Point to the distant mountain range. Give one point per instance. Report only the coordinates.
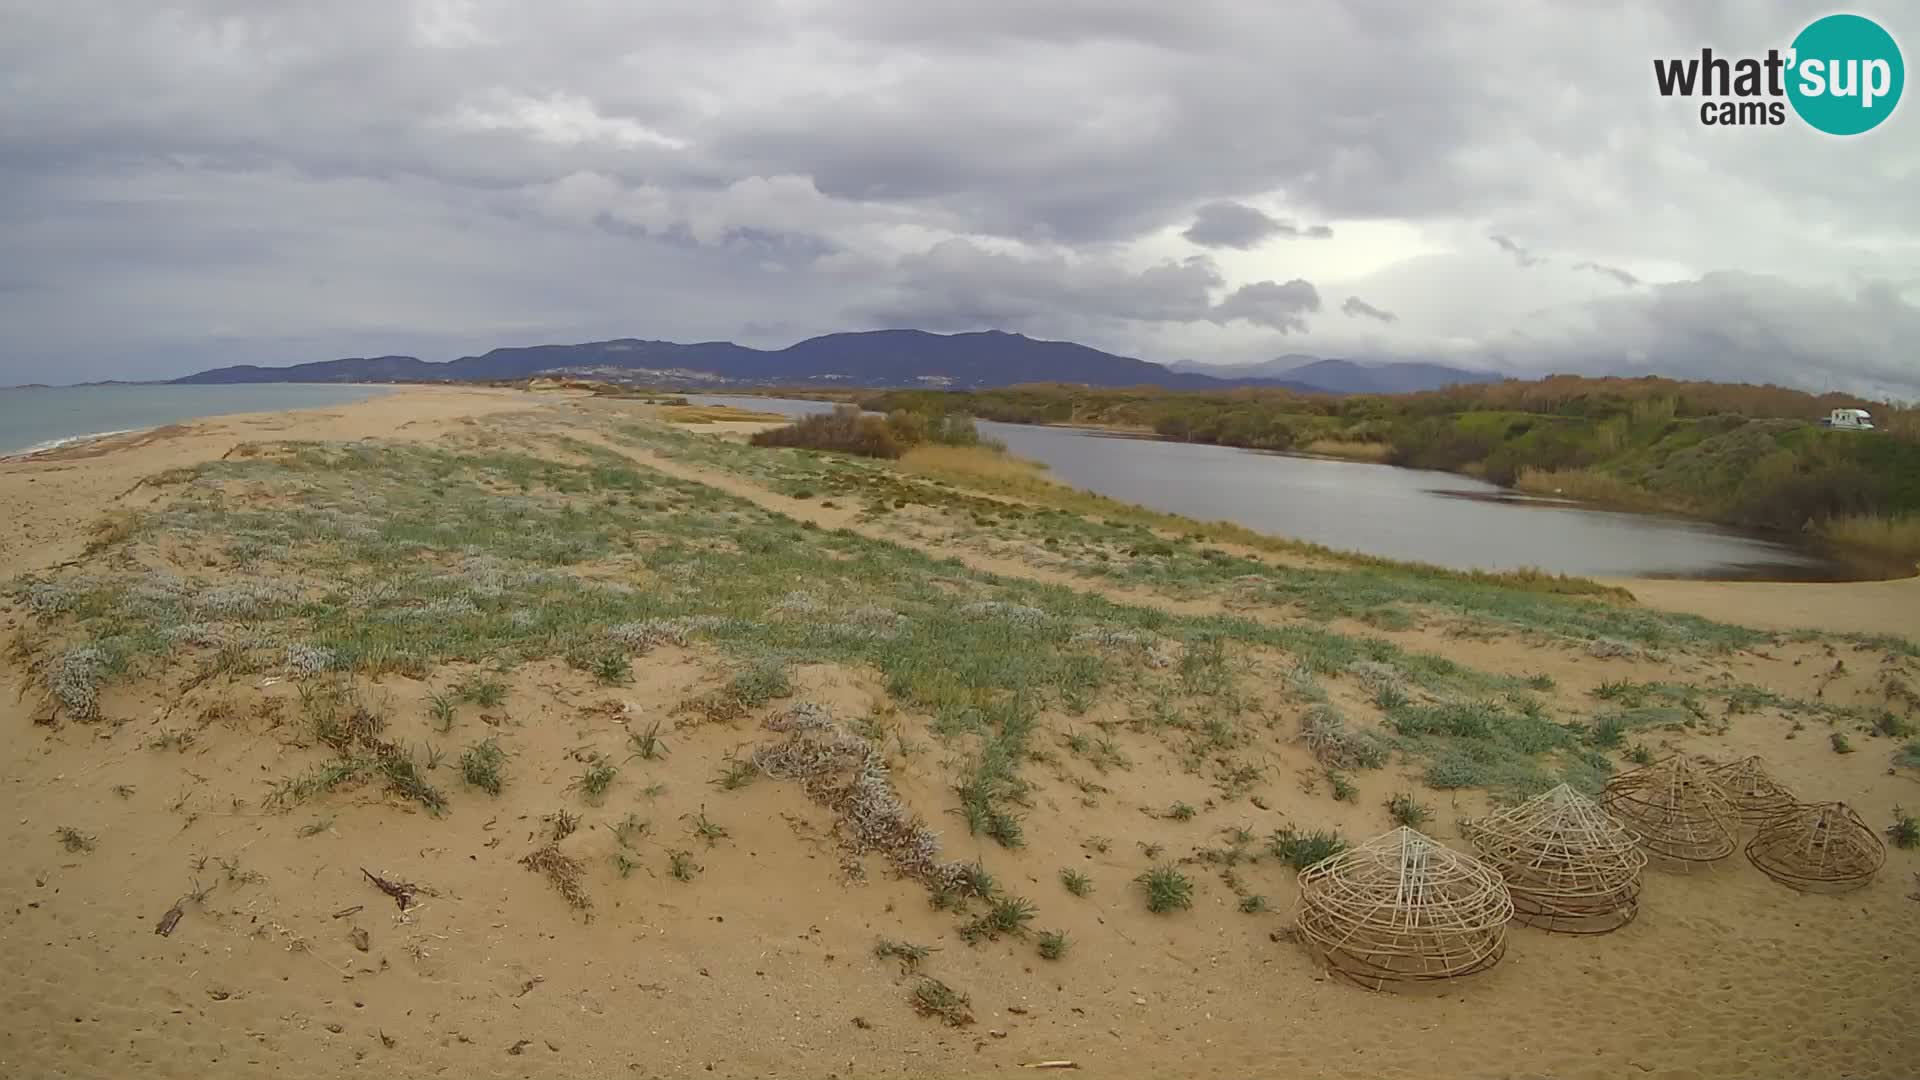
(1346, 376)
(879, 358)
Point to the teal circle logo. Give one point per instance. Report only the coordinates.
(1846, 74)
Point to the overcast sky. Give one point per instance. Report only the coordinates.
(188, 184)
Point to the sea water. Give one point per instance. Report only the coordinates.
(40, 418)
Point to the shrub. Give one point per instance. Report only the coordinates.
(931, 997)
(844, 430)
(1076, 882)
(1301, 850)
(1905, 831)
(909, 954)
(1343, 789)
(1892, 726)
(1405, 810)
(1006, 915)
(480, 766)
(1167, 888)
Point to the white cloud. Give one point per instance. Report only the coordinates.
(564, 119)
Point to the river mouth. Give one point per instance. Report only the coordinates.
(1408, 515)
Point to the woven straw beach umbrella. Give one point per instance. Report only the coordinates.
(1676, 809)
(1570, 867)
(1402, 907)
(1819, 847)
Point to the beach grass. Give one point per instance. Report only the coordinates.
(365, 560)
(1110, 541)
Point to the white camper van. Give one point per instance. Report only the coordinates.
(1849, 419)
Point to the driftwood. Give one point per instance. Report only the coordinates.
(171, 919)
(179, 909)
(402, 892)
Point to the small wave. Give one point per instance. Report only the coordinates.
(71, 440)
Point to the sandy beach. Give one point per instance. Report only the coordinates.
(729, 931)
(55, 498)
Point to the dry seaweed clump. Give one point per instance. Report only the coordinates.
(563, 872)
(74, 680)
(931, 997)
(847, 774)
(1335, 745)
(801, 716)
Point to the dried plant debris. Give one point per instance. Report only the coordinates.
(403, 892)
(931, 997)
(74, 840)
(847, 774)
(563, 872)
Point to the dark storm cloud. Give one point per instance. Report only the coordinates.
(1613, 272)
(1735, 327)
(1359, 308)
(1276, 306)
(1236, 225)
(959, 285)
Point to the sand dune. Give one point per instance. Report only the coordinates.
(763, 963)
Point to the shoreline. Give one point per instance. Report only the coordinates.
(71, 440)
(1876, 562)
(81, 439)
(57, 497)
(1869, 607)
(1840, 563)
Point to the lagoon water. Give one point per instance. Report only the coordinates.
(37, 418)
(1409, 514)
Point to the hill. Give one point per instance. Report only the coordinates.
(1348, 376)
(879, 358)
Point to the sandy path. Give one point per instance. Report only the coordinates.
(847, 517)
(52, 500)
(1779, 606)
(1856, 607)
